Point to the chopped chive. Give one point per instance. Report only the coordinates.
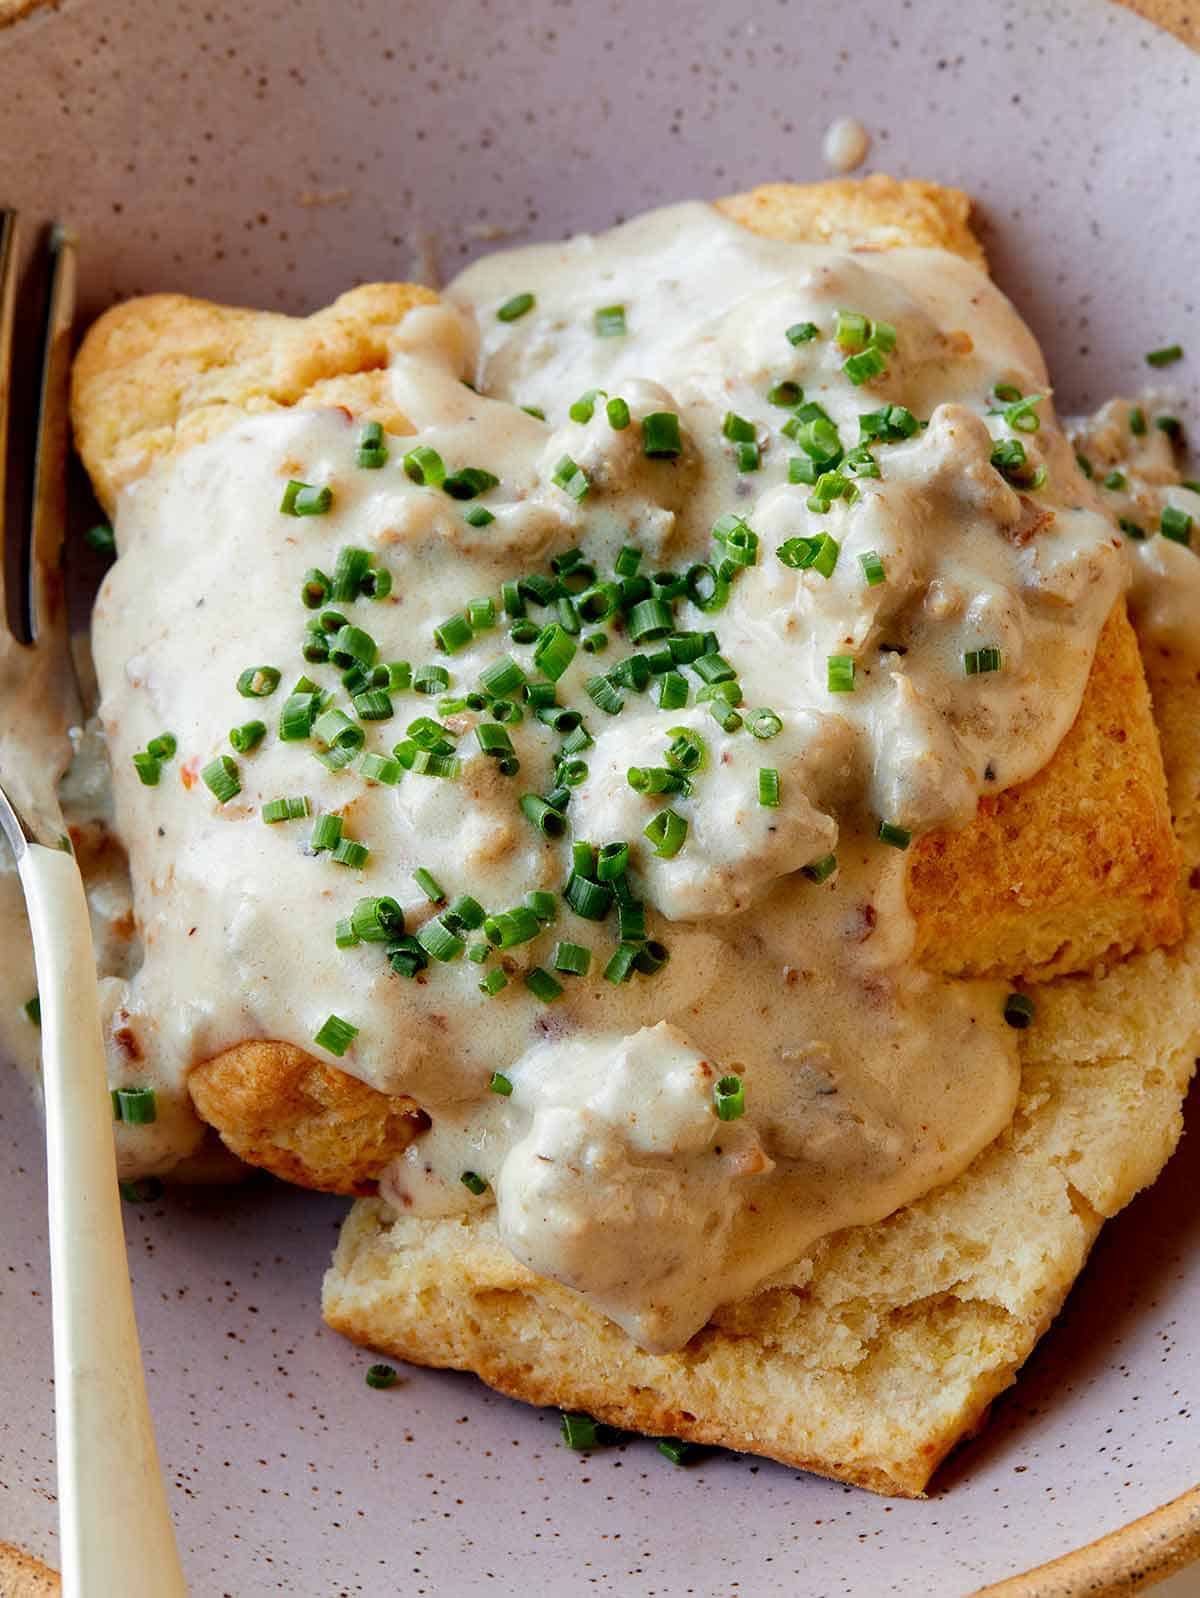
(425, 466)
(572, 479)
(163, 746)
(1167, 356)
(542, 985)
(221, 778)
(768, 787)
(349, 852)
(430, 680)
(572, 958)
(499, 1083)
(898, 837)
(861, 368)
(1018, 1010)
(33, 1010)
(501, 676)
(334, 728)
(1131, 529)
(729, 1098)
(287, 809)
(469, 482)
(429, 885)
(100, 538)
(1115, 481)
(1137, 421)
(604, 695)
(673, 1449)
(326, 833)
(544, 905)
(609, 321)
(890, 424)
(466, 910)
(1171, 426)
(377, 920)
(738, 429)
(617, 412)
(453, 634)
(490, 984)
(851, 330)
(481, 613)
(374, 704)
(840, 674)
(142, 1190)
(1023, 415)
(303, 499)
(248, 736)
(660, 435)
(349, 572)
(335, 1035)
(508, 928)
(590, 900)
(667, 832)
(989, 658)
(439, 939)
(344, 935)
(542, 815)
(748, 457)
(1084, 465)
(148, 768)
(1175, 524)
(256, 682)
(820, 870)
(381, 1376)
(314, 590)
(785, 393)
(801, 332)
(872, 568)
(672, 691)
(135, 1106)
(516, 307)
(554, 651)
(584, 407)
(621, 966)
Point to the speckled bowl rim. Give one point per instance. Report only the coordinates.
(1131, 1558)
(1127, 1560)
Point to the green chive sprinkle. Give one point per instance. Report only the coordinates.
(1084, 465)
(287, 809)
(667, 831)
(499, 1083)
(617, 412)
(1167, 356)
(248, 736)
(573, 958)
(673, 1449)
(382, 1377)
(840, 674)
(609, 321)
(542, 985)
(303, 499)
(335, 1035)
(572, 479)
(221, 778)
(148, 768)
(660, 435)
(425, 466)
(101, 538)
(512, 309)
(729, 1098)
(976, 661)
(135, 1106)
(1018, 1010)
(256, 682)
(1176, 525)
(898, 837)
(768, 787)
(469, 483)
(820, 870)
(490, 984)
(802, 332)
(1137, 420)
(429, 885)
(33, 1010)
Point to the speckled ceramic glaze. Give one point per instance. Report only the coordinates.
(276, 153)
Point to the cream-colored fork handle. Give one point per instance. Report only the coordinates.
(114, 1526)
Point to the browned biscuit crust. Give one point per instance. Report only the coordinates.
(304, 1121)
(165, 372)
(1075, 866)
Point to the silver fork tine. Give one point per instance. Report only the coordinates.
(44, 589)
(8, 301)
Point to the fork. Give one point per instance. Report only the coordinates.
(115, 1532)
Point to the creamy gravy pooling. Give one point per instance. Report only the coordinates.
(867, 1081)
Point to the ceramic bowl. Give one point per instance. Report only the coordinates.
(275, 154)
